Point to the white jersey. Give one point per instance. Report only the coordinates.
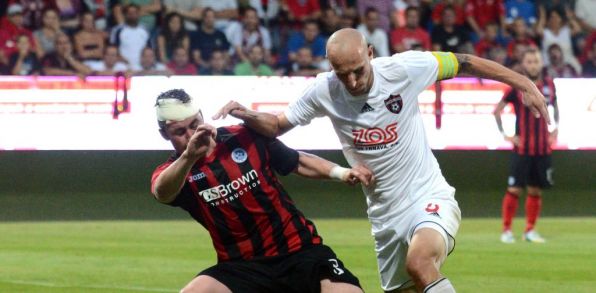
(382, 130)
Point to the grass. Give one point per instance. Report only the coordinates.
(161, 256)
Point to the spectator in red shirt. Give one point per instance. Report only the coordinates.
(180, 64)
(558, 67)
(11, 28)
(301, 10)
(460, 14)
(520, 36)
(411, 36)
(479, 13)
(491, 32)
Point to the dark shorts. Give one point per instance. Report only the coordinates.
(530, 171)
(297, 272)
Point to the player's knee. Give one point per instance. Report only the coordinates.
(338, 287)
(535, 191)
(419, 266)
(514, 190)
(205, 284)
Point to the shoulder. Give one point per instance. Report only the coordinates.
(396, 67)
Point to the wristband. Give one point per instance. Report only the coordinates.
(338, 172)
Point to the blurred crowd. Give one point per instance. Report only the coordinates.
(282, 37)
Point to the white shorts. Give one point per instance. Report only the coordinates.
(392, 238)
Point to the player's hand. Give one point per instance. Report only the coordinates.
(513, 139)
(359, 174)
(552, 137)
(533, 99)
(200, 141)
(233, 109)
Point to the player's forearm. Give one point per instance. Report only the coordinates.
(484, 68)
(169, 183)
(264, 123)
(314, 167)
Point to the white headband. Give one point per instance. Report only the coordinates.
(175, 110)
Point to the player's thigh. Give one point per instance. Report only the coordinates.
(205, 284)
(404, 290)
(327, 286)
(427, 244)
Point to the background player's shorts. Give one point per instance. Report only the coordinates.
(392, 238)
(530, 171)
(297, 272)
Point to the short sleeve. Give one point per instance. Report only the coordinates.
(283, 159)
(158, 171)
(421, 68)
(510, 96)
(306, 108)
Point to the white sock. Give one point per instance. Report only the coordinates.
(441, 285)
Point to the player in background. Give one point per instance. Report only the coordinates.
(225, 179)
(373, 106)
(531, 158)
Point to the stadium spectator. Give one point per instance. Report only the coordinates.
(479, 13)
(520, 34)
(207, 39)
(341, 6)
(498, 54)
(89, 42)
(33, 11)
(514, 61)
(304, 65)
(62, 61)
(130, 37)
(191, 11)
(524, 9)
(557, 65)
(180, 64)
(110, 65)
(545, 6)
(330, 22)
(384, 7)
(456, 5)
(589, 66)
(69, 11)
(45, 36)
(172, 35)
(374, 34)
(12, 27)
(101, 10)
(267, 11)
(489, 40)
(555, 30)
(150, 65)
(300, 11)
(255, 65)
(448, 36)
(348, 21)
(531, 166)
(24, 61)
(218, 64)
(411, 36)
(226, 11)
(585, 11)
(309, 37)
(248, 33)
(263, 242)
(148, 10)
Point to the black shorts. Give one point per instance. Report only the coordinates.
(530, 171)
(298, 272)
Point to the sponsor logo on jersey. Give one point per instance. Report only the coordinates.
(225, 193)
(375, 138)
(239, 155)
(196, 177)
(366, 108)
(432, 208)
(394, 103)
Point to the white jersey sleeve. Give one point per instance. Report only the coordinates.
(422, 68)
(308, 107)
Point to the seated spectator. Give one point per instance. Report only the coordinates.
(585, 11)
(218, 65)
(300, 11)
(411, 36)
(447, 36)
(33, 11)
(207, 39)
(248, 33)
(45, 36)
(149, 64)
(24, 61)
(110, 65)
(460, 13)
(11, 28)
(514, 60)
(348, 21)
(555, 30)
(267, 11)
(589, 66)
(304, 65)
(479, 13)
(130, 37)
(68, 12)
(255, 64)
(373, 33)
(524, 9)
(309, 37)
(180, 64)
(330, 22)
(173, 35)
(225, 12)
(62, 61)
(520, 36)
(148, 10)
(491, 32)
(558, 67)
(191, 11)
(89, 42)
(498, 54)
(385, 9)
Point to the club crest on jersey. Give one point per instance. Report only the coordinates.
(239, 155)
(394, 103)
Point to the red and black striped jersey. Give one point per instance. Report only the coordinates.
(532, 132)
(235, 194)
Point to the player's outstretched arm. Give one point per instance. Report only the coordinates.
(312, 166)
(264, 123)
(483, 68)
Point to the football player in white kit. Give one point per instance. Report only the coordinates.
(373, 106)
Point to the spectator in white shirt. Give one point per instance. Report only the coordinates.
(130, 37)
(243, 36)
(110, 64)
(373, 33)
(225, 12)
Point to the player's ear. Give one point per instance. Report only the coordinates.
(371, 52)
(164, 134)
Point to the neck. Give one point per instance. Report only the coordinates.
(208, 29)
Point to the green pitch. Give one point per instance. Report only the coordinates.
(161, 256)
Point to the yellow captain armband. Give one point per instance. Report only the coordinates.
(448, 65)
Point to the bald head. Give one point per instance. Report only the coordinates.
(350, 56)
(344, 43)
